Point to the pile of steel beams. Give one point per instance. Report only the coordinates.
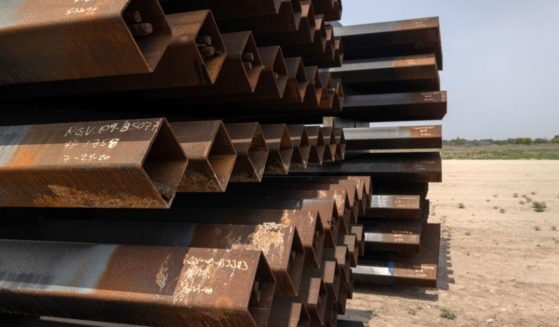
(172, 163)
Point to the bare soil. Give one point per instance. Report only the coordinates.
(499, 262)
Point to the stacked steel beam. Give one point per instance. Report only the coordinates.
(114, 216)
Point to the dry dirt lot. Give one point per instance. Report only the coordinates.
(500, 259)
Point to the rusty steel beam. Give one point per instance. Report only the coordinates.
(252, 151)
(392, 236)
(328, 97)
(340, 195)
(330, 141)
(402, 137)
(331, 315)
(311, 99)
(341, 254)
(287, 19)
(287, 312)
(69, 30)
(395, 107)
(229, 10)
(301, 146)
(318, 147)
(331, 9)
(396, 38)
(359, 232)
(341, 143)
(273, 80)
(334, 59)
(239, 74)
(304, 33)
(420, 269)
(421, 167)
(211, 156)
(394, 207)
(111, 164)
(326, 206)
(197, 45)
(350, 241)
(280, 147)
(389, 75)
(289, 184)
(314, 295)
(307, 221)
(362, 184)
(155, 285)
(280, 244)
(297, 82)
(315, 48)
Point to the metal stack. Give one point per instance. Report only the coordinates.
(214, 215)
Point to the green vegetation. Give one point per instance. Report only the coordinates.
(446, 314)
(539, 206)
(509, 149)
(549, 151)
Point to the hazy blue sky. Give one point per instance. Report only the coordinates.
(501, 61)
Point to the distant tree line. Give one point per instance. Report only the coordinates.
(511, 141)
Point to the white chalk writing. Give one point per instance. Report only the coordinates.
(222, 263)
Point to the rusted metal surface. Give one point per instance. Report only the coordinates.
(396, 38)
(188, 61)
(350, 323)
(303, 34)
(318, 146)
(350, 241)
(421, 167)
(280, 147)
(394, 206)
(331, 9)
(339, 194)
(341, 143)
(359, 232)
(403, 137)
(330, 142)
(341, 254)
(314, 295)
(393, 236)
(287, 312)
(316, 48)
(273, 79)
(403, 188)
(287, 19)
(301, 146)
(229, 10)
(395, 107)
(252, 151)
(69, 30)
(155, 285)
(211, 156)
(280, 244)
(110, 164)
(297, 82)
(403, 269)
(239, 74)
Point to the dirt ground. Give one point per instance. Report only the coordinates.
(499, 258)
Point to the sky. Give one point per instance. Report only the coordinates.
(501, 61)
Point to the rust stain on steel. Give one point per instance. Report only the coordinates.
(280, 147)
(317, 145)
(280, 244)
(307, 222)
(328, 215)
(328, 96)
(69, 31)
(301, 146)
(211, 156)
(155, 285)
(287, 312)
(288, 18)
(252, 151)
(330, 141)
(110, 164)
